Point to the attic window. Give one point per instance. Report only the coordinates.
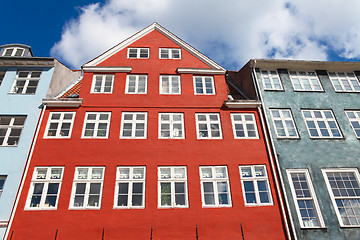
(14, 52)
(170, 53)
(138, 52)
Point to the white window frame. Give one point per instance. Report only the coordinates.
(2, 75)
(60, 122)
(214, 179)
(203, 85)
(171, 123)
(132, 178)
(354, 120)
(208, 123)
(27, 80)
(174, 178)
(245, 125)
(136, 84)
(103, 81)
(170, 53)
(133, 126)
(171, 79)
(349, 77)
(333, 198)
(10, 127)
(3, 180)
(14, 50)
(138, 50)
(271, 74)
(39, 178)
(322, 119)
(96, 122)
(255, 180)
(312, 197)
(301, 77)
(284, 119)
(88, 182)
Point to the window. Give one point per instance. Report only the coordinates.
(271, 80)
(10, 129)
(102, 83)
(344, 189)
(204, 85)
(321, 124)
(96, 125)
(14, 52)
(171, 125)
(172, 187)
(305, 81)
(130, 187)
(2, 183)
(344, 82)
(26, 82)
(255, 183)
(2, 75)
(244, 125)
(283, 123)
(208, 126)
(136, 84)
(87, 188)
(215, 189)
(138, 52)
(45, 188)
(304, 196)
(354, 118)
(59, 125)
(170, 84)
(133, 125)
(169, 53)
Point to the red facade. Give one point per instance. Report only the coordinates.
(63, 222)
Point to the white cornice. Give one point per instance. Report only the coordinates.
(242, 103)
(62, 102)
(107, 69)
(201, 71)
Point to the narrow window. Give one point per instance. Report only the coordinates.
(170, 84)
(26, 82)
(244, 125)
(171, 125)
(172, 187)
(2, 75)
(208, 126)
(102, 83)
(271, 80)
(14, 52)
(133, 125)
(10, 129)
(321, 124)
(59, 125)
(130, 187)
(170, 53)
(136, 84)
(204, 85)
(2, 183)
(283, 123)
(344, 82)
(138, 52)
(96, 125)
(305, 81)
(255, 183)
(354, 119)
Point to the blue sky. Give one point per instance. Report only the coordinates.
(230, 32)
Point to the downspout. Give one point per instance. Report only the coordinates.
(24, 173)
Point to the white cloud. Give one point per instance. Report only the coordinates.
(230, 32)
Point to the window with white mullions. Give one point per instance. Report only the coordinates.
(26, 82)
(215, 187)
(138, 52)
(102, 83)
(14, 52)
(306, 204)
(87, 188)
(2, 75)
(59, 125)
(283, 123)
(136, 84)
(271, 80)
(130, 187)
(10, 129)
(344, 82)
(305, 81)
(244, 125)
(2, 183)
(45, 188)
(354, 119)
(133, 125)
(344, 189)
(172, 187)
(208, 126)
(255, 183)
(169, 53)
(96, 125)
(204, 85)
(321, 124)
(170, 84)
(171, 125)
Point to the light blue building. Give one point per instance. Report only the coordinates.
(24, 81)
(312, 111)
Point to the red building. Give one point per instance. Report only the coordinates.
(151, 149)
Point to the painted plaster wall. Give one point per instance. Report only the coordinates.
(315, 154)
(12, 159)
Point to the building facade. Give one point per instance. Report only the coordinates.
(148, 146)
(312, 111)
(24, 81)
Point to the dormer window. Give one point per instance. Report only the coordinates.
(138, 52)
(13, 52)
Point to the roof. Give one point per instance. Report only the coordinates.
(74, 89)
